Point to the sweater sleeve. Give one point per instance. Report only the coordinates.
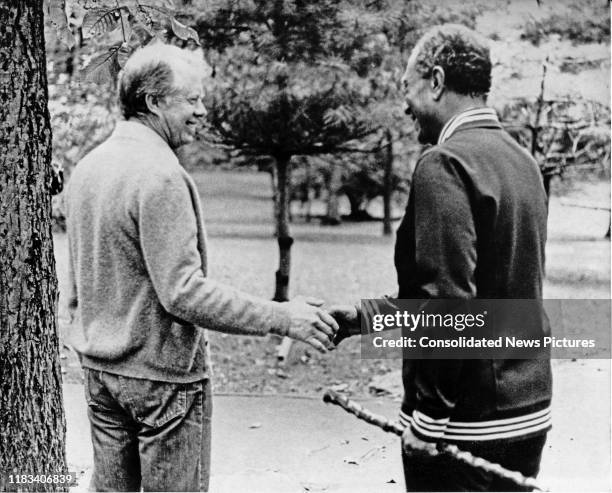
(72, 301)
(445, 238)
(168, 235)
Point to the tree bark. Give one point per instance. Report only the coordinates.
(283, 176)
(32, 422)
(388, 184)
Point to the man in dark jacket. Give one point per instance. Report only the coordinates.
(475, 227)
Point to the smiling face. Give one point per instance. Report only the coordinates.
(181, 112)
(419, 103)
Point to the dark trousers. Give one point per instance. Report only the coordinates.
(147, 434)
(442, 473)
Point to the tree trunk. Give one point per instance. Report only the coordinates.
(309, 190)
(283, 175)
(547, 178)
(358, 204)
(332, 217)
(274, 183)
(32, 423)
(388, 184)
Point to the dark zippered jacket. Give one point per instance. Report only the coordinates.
(475, 227)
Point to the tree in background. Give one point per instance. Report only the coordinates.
(565, 135)
(374, 48)
(285, 90)
(284, 120)
(32, 422)
(305, 78)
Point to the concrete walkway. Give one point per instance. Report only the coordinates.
(288, 444)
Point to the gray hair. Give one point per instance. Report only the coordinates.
(462, 53)
(151, 70)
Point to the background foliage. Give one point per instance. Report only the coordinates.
(298, 78)
(585, 22)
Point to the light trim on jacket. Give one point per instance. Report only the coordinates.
(477, 430)
(468, 116)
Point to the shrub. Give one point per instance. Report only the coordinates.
(584, 22)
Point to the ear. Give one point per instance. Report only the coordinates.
(438, 82)
(153, 104)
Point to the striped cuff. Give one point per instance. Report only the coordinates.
(500, 428)
(431, 429)
(425, 427)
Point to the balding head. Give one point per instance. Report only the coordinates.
(449, 71)
(463, 55)
(156, 70)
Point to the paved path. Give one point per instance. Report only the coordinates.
(286, 444)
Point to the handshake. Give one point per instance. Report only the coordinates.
(322, 329)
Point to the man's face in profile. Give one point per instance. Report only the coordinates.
(181, 112)
(418, 102)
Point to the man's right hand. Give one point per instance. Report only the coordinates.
(347, 317)
(311, 324)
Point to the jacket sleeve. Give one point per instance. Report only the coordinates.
(445, 233)
(445, 248)
(168, 235)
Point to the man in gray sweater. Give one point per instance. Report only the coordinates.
(140, 293)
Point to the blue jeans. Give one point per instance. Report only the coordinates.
(148, 435)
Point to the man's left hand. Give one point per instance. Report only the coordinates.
(414, 446)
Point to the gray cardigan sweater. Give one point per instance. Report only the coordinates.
(137, 247)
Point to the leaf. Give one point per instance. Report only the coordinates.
(103, 68)
(57, 16)
(101, 20)
(184, 32)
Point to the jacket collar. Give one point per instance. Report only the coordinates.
(473, 116)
